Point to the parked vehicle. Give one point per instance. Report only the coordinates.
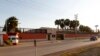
(14, 39)
(93, 38)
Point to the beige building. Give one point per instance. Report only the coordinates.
(50, 30)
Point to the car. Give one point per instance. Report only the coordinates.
(93, 38)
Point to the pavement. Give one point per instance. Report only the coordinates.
(43, 47)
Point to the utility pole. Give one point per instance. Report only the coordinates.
(96, 28)
(76, 17)
(6, 26)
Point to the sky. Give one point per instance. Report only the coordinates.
(43, 13)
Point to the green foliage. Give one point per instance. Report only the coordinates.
(69, 23)
(74, 23)
(57, 22)
(62, 25)
(11, 25)
(8, 42)
(85, 29)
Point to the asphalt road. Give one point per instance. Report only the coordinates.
(43, 48)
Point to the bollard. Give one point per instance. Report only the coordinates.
(35, 44)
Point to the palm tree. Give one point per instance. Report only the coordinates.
(62, 25)
(67, 23)
(71, 24)
(11, 25)
(57, 22)
(74, 24)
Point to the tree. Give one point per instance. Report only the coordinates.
(85, 29)
(81, 28)
(67, 23)
(88, 29)
(57, 22)
(71, 24)
(74, 24)
(62, 25)
(11, 25)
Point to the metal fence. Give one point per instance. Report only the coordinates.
(21, 29)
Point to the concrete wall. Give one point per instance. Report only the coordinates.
(32, 36)
(45, 36)
(5, 37)
(76, 35)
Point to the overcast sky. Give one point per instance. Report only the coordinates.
(43, 13)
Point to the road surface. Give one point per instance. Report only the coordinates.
(43, 48)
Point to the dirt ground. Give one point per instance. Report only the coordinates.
(90, 50)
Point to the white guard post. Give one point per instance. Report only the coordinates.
(1, 38)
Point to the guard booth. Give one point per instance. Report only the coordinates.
(3, 37)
